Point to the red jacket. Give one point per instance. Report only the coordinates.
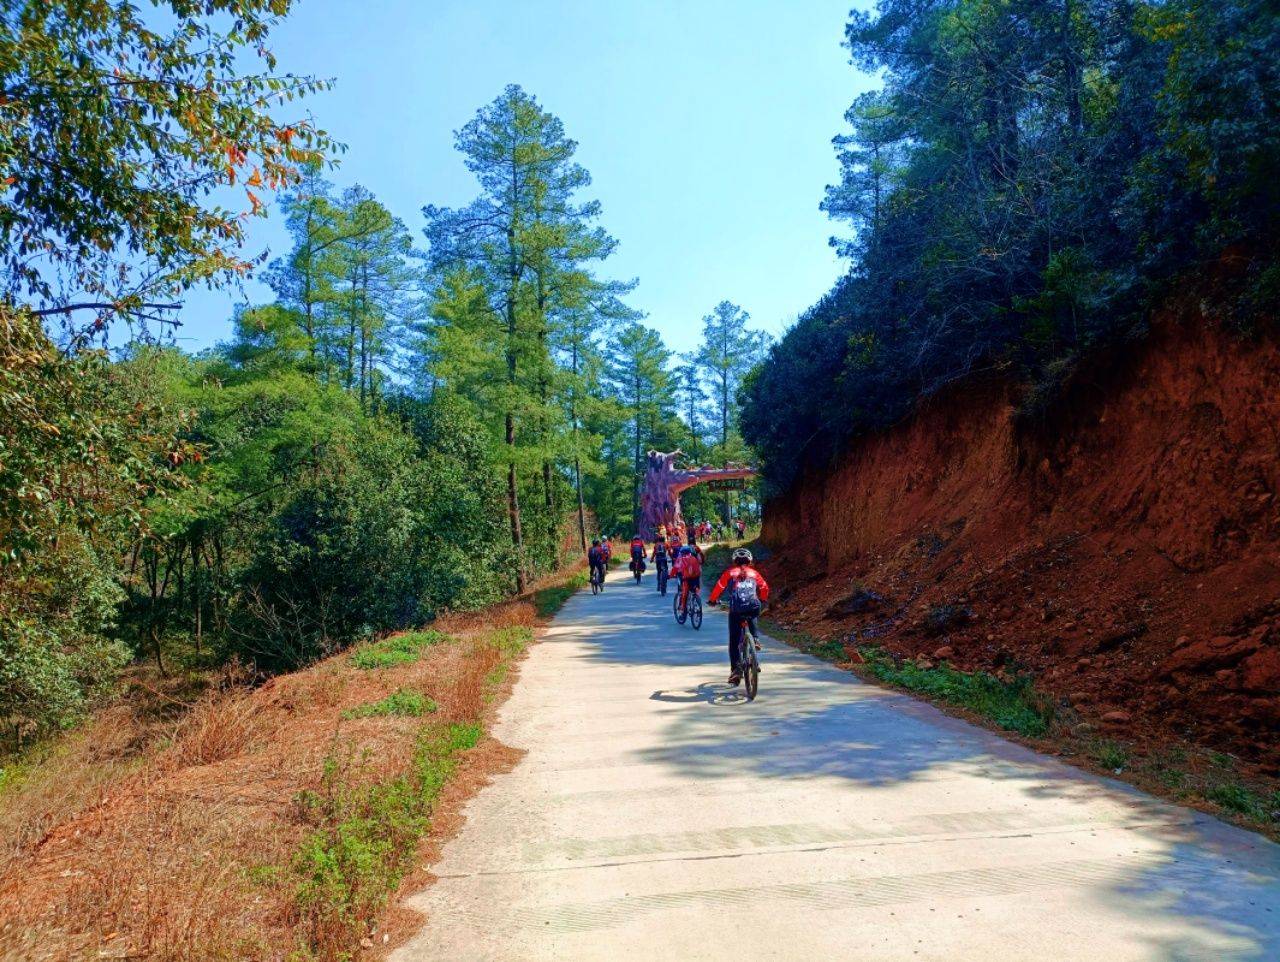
(735, 573)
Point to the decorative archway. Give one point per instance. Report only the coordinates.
(663, 483)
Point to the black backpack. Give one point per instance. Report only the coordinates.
(744, 597)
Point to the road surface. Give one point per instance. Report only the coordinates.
(658, 816)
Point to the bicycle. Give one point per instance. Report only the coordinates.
(597, 581)
(690, 611)
(663, 578)
(637, 569)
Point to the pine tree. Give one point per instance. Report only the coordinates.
(637, 361)
(729, 351)
(523, 246)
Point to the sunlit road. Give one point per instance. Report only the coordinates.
(657, 816)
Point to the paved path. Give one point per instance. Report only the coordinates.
(657, 816)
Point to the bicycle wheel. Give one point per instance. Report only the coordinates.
(695, 611)
(751, 673)
(676, 609)
(595, 586)
(662, 583)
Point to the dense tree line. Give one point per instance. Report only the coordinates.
(1029, 181)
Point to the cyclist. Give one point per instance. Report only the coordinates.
(607, 547)
(694, 549)
(660, 559)
(596, 560)
(688, 568)
(747, 593)
(637, 553)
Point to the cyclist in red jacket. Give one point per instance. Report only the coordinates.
(747, 593)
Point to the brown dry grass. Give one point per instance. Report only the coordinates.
(165, 827)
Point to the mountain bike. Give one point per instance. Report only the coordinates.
(597, 581)
(663, 578)
(748, 663)
(637, 569)
(691, 610)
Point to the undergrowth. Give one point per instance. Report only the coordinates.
(396, 650)
(547, 601)
(1012, 705)
(366, 836)
(401, 703)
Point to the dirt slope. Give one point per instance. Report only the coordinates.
(1124, 549)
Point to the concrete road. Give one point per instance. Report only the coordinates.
(659, 816)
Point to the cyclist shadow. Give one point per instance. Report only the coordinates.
(707, 693)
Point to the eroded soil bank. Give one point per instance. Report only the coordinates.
(1122, 549)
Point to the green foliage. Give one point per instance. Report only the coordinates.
(401, 703)
(1012, 705)
(366, 835)
(79, 440)
(513, 294)
(1237, 798)
(547, 601)
(1031, 180)
(115, 132)
(1111, 755)
(396, 650)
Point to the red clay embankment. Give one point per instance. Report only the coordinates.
(1125, 549)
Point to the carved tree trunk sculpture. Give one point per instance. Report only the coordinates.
(660, 490)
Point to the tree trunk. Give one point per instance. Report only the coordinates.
(582, 510)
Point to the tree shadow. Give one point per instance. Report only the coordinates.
(1211, 890)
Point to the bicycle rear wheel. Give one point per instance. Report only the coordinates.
(695, 611)
(675, 609)
(750, 664)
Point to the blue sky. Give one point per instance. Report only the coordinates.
(706, 126)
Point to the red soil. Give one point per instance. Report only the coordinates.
(1123, 550)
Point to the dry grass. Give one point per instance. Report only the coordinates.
(171, 832)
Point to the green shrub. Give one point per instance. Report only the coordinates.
(396, 650)
(1236, 798)
(1110, 754)
(365, 836)
(1012, 705)
(401, 703)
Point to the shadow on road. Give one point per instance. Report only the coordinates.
(1219, 887)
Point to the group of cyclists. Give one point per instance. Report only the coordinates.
(743, 587)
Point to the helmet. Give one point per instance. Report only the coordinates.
(742, 556)
(595, 541)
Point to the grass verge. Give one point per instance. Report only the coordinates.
(186, 844)
(396, 650)
(1012, 705)
(547, 601)
(401, 703)
(365, 837)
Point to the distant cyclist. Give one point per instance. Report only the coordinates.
(693, 547)
(637, 554)
(747, 593)
(688, 568)
(661, 560)
(596, 560)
